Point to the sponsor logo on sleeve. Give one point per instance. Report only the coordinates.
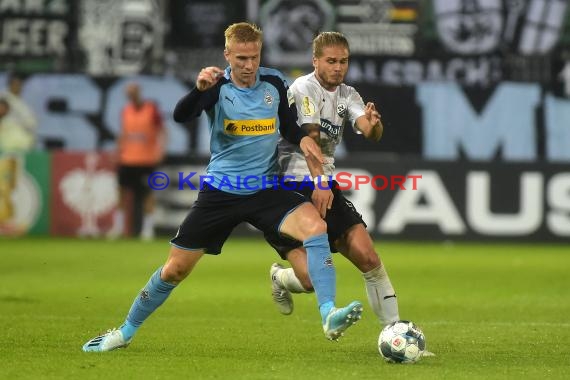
(307, 107)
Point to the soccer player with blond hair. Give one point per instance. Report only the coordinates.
(248, 109)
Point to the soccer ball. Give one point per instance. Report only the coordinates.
(401, 342)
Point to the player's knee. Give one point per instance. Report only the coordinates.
(174, 273)
(314, 227)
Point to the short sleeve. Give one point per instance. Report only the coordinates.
(355, 107)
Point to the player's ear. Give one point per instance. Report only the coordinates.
(315, 62)
(227, 55)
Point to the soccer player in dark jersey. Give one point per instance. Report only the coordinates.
(248, 108)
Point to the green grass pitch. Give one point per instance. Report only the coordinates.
(489, 311)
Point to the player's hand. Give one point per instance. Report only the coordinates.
(311, 149)
(208, 77)
(372, 114)
(322, 197)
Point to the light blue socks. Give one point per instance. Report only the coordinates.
(154, 293)
(321, 271)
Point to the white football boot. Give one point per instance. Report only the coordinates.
(281, 296)
(109, 341)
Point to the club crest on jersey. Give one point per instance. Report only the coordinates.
(268, 98)
(307, 107)
(341, 109)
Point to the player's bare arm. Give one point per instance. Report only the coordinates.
(322, 196)
(311, 149)
(370, 124)
(313, 131)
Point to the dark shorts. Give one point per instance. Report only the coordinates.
(216, 213)
(339, 218)
(135, 178)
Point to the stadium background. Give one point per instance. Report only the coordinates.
(474, 96)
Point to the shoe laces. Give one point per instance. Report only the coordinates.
(108, 332)
(280, 295)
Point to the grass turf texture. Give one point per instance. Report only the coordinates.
(488, 312)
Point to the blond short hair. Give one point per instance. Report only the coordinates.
(327, 39)
(243, 32)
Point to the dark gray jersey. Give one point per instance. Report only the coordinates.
(331, 110)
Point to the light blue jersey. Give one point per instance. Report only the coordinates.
(244, 129)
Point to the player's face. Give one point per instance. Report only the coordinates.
(331, 66)
(243, 58)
